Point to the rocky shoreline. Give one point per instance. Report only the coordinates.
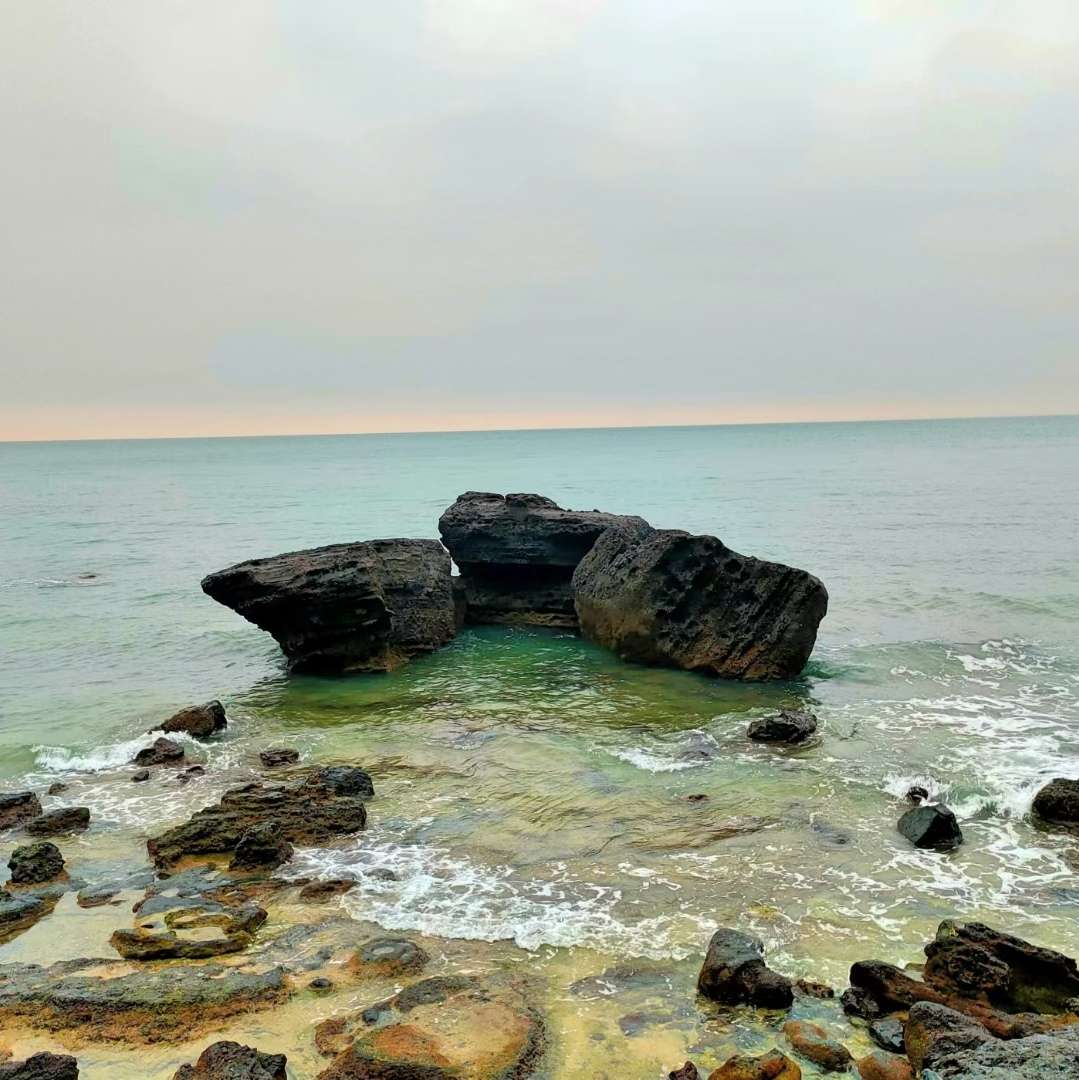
(215, 926)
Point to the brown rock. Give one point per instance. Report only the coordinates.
(199, 721)
(880, 1065)
(232, 1061)
(687, 1072)
(316, 892)
(812, 1042)
(17, 807)
(386, 957)
(65, 820)
(162, 752)
(770, 1066)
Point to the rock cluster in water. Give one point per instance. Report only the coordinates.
(653, 596)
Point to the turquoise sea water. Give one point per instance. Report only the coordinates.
(533, 789)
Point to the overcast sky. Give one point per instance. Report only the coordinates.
(351, 215)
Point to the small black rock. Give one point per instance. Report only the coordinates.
(787, 726)
(140, 776)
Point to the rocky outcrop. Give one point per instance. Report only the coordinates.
(233, 1061)
(150, 1005)
(786, 726)
(734, 972)
(68, 819)
(1036, 1057)
(931, 826)
(366, 606)
(162, 752)
(33, 864)
(1058, 802)
(517, 554)
(17, 807)
(437, 1029)
(199, 721)
(305, 811)
(665, 597)
(933, 1032)
(41, 1067)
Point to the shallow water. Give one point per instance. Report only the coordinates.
(533, 791)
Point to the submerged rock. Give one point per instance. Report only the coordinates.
(345, 780)
(305, 811)
(787, 726)
(388, 957)
(734, 972)
(199, 721)
(41, 1067)
(233, 1061)
(140, 776)
(1058, 802)
(517, 554)
(277, 756)
(931, 826)
(162, 752)
(315, 892)
(438, 1029)
(366, 606)
(888, 1035)
(17, 807)
(261, 847)
(159, 1005)
(666, 597)
(66, 820)
(19, 911)
(32, 864)
(814, 1043)
(770, 1066)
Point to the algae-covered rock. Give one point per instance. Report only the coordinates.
(32, 864)
(162, 1004)
(387, 957)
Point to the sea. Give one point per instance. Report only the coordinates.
(533, 791)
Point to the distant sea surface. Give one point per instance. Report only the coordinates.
(532, 788)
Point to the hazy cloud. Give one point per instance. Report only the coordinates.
(343, 216)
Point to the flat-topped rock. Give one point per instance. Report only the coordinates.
(149, 1005)
(669, 598)
(43, 1066)
(366, 606)
(305, 811)
(67, 819)
(517, 554)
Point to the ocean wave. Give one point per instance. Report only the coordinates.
(441, 893)
(65, 759)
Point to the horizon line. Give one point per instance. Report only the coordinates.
(543, 428)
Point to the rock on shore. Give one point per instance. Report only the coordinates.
(517, 554)
(232, 1061)
(305, 811)
(666, 597)
(199, 721)
(366, 606)
(734, 972)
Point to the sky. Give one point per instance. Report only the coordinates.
(286, 217)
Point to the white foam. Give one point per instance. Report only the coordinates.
(64, 759)
(656, 763)
(442, 893)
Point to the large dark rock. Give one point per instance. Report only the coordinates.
(734, 972)
(975, 961)
(66, 820)
(366, 606)
(41, 1067)
(786, 726)
(1038, 1057)
(517, 554)
(665, 597)
(200, 721)
(162, 1004)
(162, 752)
(232, 1061)
(931, 826)
(1058, 802)
(32, 864)
(305, 811)
(17, 807)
